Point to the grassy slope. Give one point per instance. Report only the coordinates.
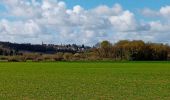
(119, 81)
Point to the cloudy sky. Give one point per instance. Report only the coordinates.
(84, 21)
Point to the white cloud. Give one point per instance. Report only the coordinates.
(165, 11)
(124, 22)
(149, 12)
(157, 26)
(78, 9)
(162, 12)
(159, 29)
(104, 10)
(51, 21)
(19, 28)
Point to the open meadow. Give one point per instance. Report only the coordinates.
(84, 81)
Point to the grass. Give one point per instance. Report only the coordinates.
(85, 81)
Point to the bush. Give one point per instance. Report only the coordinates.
(31, 56)
(48, 57)
(58, 56)
(3, 58)
(67, 56)
(38, 59)
(16, 59)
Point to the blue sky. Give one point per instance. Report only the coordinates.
(127, 4)
(2, 8)
(84, 21)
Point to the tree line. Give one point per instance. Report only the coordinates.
(124, 50)
(136, 50)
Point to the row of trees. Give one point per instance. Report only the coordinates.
(136, 50)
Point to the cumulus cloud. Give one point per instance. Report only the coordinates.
(162, 12)
(159, 29)
(104, 10)
(19, 28)
(52, 22)
(149, 12)
(165, 11)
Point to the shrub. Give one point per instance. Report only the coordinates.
(16, 59)
(58, 56)
(67, 56)
(31, 56)
(3, 58)
(38, 59)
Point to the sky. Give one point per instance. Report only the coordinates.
(84, 21)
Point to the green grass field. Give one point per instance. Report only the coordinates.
(85, 81)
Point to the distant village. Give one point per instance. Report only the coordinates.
(8, 47)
